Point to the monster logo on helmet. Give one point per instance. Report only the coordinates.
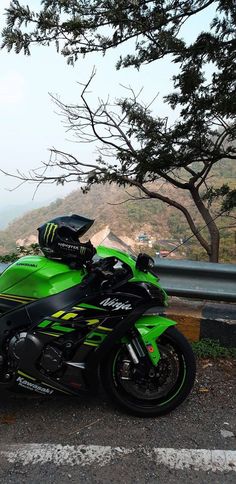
(59, 238)
(50, 232)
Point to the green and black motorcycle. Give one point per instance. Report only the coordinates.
(68, 326)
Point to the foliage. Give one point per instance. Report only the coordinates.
(32, 249)
(208, 348)
(148, 149)
(92, 25)
(87, 26)
(228, 195)
(9, 257)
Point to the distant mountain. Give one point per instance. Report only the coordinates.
(11, 212)
(105, 204)
(161, 226)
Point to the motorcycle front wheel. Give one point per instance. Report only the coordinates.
(148, 391)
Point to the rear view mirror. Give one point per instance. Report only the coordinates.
(144, 262)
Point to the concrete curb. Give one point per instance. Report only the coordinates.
(202, 319)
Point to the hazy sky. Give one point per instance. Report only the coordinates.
(28, 123)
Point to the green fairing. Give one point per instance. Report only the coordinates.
(150, 328)
(138, 276)
(38, 277)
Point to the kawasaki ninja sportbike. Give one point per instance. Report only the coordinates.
(66, 329)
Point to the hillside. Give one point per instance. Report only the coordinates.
(165, 226)
(102, 203)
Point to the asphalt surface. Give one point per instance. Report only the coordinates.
(199, 423)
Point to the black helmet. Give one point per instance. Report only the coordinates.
(59, 238)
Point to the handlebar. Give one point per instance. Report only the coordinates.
(102, 272)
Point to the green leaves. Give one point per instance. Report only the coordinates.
(92, 25)
(155, 25)
(229, 203)
(228, 196)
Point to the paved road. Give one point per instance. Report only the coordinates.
(107, 446)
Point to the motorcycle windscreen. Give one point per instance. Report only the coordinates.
(107, 238)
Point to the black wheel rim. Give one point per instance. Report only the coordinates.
(159, 390)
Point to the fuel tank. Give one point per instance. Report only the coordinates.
(34, 277)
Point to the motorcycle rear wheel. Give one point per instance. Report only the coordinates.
(168, 385)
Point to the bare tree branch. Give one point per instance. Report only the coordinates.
(133, 148)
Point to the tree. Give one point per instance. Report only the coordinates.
(80, 27)
(146, 147)
(146, 150)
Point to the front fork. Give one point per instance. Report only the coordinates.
(149, 329)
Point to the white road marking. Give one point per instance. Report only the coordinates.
(197, 459)
(62, 454)
(82, 455)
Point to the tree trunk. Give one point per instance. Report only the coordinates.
(173, 203)
(215, 245)
(214, 234)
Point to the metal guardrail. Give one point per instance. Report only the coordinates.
(199, 280)
(3, 266)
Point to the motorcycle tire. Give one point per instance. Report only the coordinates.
(154, 395)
